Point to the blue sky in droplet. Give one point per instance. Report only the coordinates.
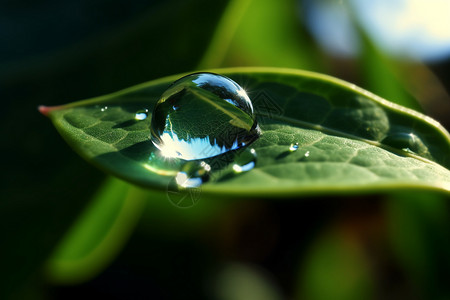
(191, 149)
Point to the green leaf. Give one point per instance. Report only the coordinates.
(235, 41)
(349, 139)
(98, 235)
(419, 227)
(336, 268)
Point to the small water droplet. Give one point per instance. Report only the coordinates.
(293, 147)
(245, 161)
(203, 115)
(193, 174)
(307, 154)
(141, 114)
(104, 108)
(408, 150)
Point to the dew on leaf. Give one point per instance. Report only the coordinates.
(408, 142)
(203, 115)
(293, 147)
(193, 174)
(141, 114)
(245, 161)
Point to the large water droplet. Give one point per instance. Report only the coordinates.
(203, 115)
(245, 161)
(408, 142)
(193, 174)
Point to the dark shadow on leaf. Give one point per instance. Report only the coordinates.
(283, 155)
(140, 151)
(125, 124)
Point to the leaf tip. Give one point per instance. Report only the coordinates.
(45, 110)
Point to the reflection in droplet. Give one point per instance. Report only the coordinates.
(152, 157)
(193, 174)
(307, 154)
(203, 115)
(104, 108)
(141, 114)
(293, 147)
(245, 161)
(157, 164)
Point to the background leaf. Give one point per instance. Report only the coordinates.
(336, 269)
(98, 235)
(416, 222)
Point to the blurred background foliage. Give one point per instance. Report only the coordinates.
(68, 231)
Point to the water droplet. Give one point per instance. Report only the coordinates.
(141, 114)
(408, 142)
(104, 108)
(193, 174)
(159, 165)
(293, 147)
(307, 154)
(245, 161)
(408, 150)
(203, 115)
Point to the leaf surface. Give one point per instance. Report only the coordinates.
(349, 139)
